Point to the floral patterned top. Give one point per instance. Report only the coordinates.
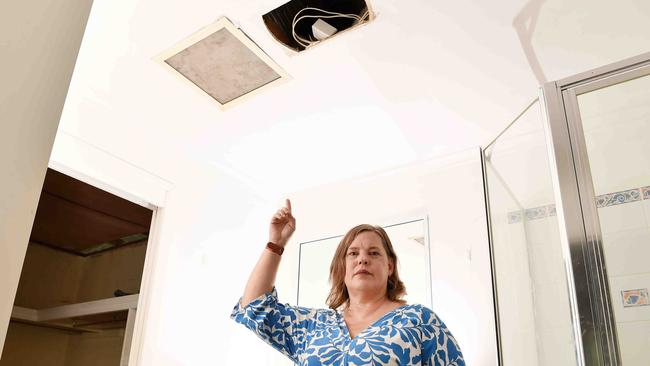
(407, 336)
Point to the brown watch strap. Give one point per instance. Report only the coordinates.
(274, 248)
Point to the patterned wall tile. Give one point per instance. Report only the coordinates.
(646, 192)
(535, 213)
(552, 211)
(638, 297)
(618, 198)
(514, 217)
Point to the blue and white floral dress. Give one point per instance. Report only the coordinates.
(407, 336)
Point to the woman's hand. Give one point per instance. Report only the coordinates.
(262, 278)
(283, 224)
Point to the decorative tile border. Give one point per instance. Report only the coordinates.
(605, 200)
(551, 210)
(638, 297)
(646, 192)
(531, 214)
(535, 213)
(618, 198)
(515, 217)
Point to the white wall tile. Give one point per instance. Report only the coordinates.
(627, 252)
(515, 295)
(617, 166)
(552, 305)
(519, 348)
(553, 228)
(629, 314)
(546, 263)
(538, 232)
(627, 216)
(557, 347)
(634, 340)
(646, 208)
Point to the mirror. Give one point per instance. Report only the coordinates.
(411, 243)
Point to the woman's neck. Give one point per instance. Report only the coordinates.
(367, 304)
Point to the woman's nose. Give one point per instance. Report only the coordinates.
(363, 259)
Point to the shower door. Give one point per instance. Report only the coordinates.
(599, 133)
(534, 316)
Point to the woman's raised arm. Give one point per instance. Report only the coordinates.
(262, 279)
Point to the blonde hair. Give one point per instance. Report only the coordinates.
(338, 295)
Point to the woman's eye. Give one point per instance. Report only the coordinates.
(352, 253)
(374, 253)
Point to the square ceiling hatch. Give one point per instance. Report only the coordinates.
(220, 61)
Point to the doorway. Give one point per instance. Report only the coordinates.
(79, 291)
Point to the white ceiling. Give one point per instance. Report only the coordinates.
(425, 78)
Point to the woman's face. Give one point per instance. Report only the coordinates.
(367, 266)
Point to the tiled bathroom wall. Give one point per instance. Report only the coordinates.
(625, 225)
(519, 333)
(554, 334)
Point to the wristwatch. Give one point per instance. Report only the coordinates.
(274, 248)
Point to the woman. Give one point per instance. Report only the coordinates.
(367, 323)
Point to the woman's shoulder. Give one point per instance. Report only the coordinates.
(325, 316)
(418, 315)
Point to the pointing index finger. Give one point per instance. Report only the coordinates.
(287, 204)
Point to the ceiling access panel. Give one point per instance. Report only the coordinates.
(223, 63)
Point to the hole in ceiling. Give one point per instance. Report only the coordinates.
(299, 24)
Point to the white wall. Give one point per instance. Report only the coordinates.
(81, 160)
(211, 238)
(39, 42)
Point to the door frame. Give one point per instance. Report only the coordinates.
(135, 331)
(593, 321)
